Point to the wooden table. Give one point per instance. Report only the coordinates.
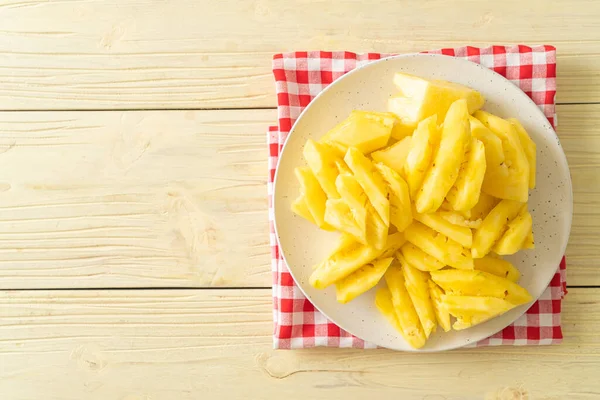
(134, 254)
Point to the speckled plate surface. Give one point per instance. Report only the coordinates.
(368, 88)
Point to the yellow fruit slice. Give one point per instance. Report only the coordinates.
(322, 162)
(393, 243)
(479, 283)
(466, 190)
(528, 243)
(419, 259)
(418, 290)
(339, 215)
(395, 155)
(400, 206)
(300, 208)
(363, 130)
(441, 313)
(425, 140)
(494, 154)
(497, 266)
(362, 280)
(514, 237)
(483, 207)
(383, 302)
(356, 199)
(494, 226)
(439, 246)
(509, 180)
(314, 196)
(529, 147)
(471, 310)
(456, 136)
(435, 221)
(406, 314)
(371, 182)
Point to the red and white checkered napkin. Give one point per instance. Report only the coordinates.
(299, 77)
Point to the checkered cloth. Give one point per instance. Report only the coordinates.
(299, 77)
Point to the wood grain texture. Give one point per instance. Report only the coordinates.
(133, 199)
(81, 54)
(171, 199)
(164, 345)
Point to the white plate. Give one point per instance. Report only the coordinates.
(368, 88)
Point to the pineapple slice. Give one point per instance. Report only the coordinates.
(483, 207)
(393, 243)
(400, 207)
(395, 155)
(514, 237)
(314, 196)
(509, 180)
(364, 130)
(439, 246)
(471, 310)
(421, 98)
(494, 226)
(418, 290)
(441, 313)
(406, 314)
(300, 208)
(385, 305)
(322, 161)
(456, 136)
(362, 280)
(466, 190)
(528, 146)
(372, 183)
(356, 199)
(528, 243)
(339, 215)
(422, 147)
(419, 259)
(480, 283)
(497, 266)
(494, 154)
(435, 221)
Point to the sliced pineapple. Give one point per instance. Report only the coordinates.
(425, 141)
(362, 280)
(322, 162)
(418, 290)
(400, 207)
(371, 182)
(456, 218)
(419, 259)
(395, 155)
(497, 266)
(363, 130)
(435, 221)
(455, 139)
(471, 310)
(528, 146)
(516, 234)
(314, 196)
(528, 243)
(483, 207)
(439, 246)
(300, 208)
(339, 215)
(466, 190)
(480, 283)
(356, 199)
(494, 154)
(494, 226)
(441, 313)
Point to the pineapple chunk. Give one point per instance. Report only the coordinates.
(509, 180)
(479, 283)
(528, 146)
(439, 246)
(385, 305)
(300, 208)
(400, 207)
(393, 243)
(418, 290)
(456, 136)
(494, 226)
(460, 234)
(322, 161)
(514, 237)
(362, 280)
(497, 266)
(365, 131)
(466, 190)
(372, 183)
(422, 147)
(356, 199)
(421, 98)
(441, 313)
(528, 243)
(471, 310)
(419, 259)
(483, 207)
(395, 155)
(494, 154)
(339, 215)
(406, 314)
(314, 196)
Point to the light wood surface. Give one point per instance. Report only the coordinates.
(205, 54)
(133, 155)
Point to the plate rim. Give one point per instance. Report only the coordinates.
(563, 164)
